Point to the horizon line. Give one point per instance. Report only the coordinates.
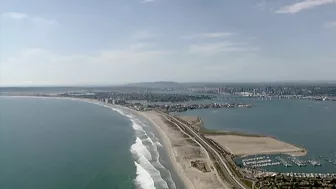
(194, 82)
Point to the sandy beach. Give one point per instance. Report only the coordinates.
(179, 157)
(165, 140)
(191, 161)
(183, 151)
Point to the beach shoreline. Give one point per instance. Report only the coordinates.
(185, 151)
(298, 152)
(239, 145)
(164, 139)
(169, 149)
(179, 158)
(176, 158)
(162, 136)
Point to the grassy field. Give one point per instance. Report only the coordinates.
(198, 123)
(206, 131)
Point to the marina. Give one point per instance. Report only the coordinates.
(273, 163)
(258, 162)
(315, 133)
(283, 161)
(314, 162)
(297, 161)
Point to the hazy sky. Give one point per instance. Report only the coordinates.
(78, 42)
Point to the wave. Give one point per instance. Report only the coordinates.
(143, 179)
(136, 126)
(143, 157)
(119, 111)
(158, 143)
(154, 173)
(139, 150)
(156, 140)
(146, 156)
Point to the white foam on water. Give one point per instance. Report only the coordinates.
(155, 140)
(154, 173)
(136, 126)
(119, 111)
(138, 150)
(156, 163)
(143, 179)
(143, 157)
(158, 144)
(149, 140)
(148, 174)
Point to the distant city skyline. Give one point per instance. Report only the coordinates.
(104, 42)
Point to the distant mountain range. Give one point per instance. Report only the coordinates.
(156, 84)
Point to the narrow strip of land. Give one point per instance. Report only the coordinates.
(191, 158)
(224, 170)
(223, 164)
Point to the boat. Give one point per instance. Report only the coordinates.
(315, 163)
(288, 165)
(284, 162)
(329, 160)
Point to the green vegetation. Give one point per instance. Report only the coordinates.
(206, 131)
(247, 183)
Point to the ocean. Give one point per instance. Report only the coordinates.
(66, 144)
(305, 123)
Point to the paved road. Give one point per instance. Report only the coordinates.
(206, 145)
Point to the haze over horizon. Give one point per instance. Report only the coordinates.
(104, 42)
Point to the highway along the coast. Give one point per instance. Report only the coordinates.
(229, 176)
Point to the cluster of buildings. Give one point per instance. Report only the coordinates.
(292, 91)
(153, 97)
(299, 180)
(171, 107)
(210, 91)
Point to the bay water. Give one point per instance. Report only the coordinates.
(305, 123)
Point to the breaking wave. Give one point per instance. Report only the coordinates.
(139, 150)
(146, 155)
(143, 179)
(137, 127)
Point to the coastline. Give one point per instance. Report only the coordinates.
(185, 151)
(171, 150)
(208, 132)
(168, 147)
(177, 158)
(166, 142)
(164, 139)
(244, 143)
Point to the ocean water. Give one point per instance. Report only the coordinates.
(64, 144)
(308, 124)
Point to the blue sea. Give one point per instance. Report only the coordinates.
(66, 144)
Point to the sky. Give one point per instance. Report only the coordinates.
(106, 42)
